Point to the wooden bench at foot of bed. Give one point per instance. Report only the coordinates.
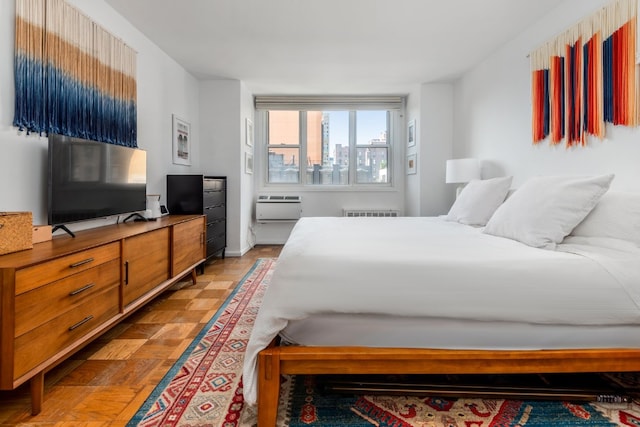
(288, 360)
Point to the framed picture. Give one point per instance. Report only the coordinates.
(181, 141)
(248, 163)
(411, 133)
(249, 132)
(412, 160)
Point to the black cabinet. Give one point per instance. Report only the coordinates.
(202, 194)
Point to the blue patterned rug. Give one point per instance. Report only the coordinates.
(311, 404)
(204, 388)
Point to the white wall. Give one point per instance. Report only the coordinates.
(247, 231)
(323, 201)
(431, 106)
(436, 140)
(164, 88)
(23, 162)
(224, 107)
(493, 115)
(413, 195)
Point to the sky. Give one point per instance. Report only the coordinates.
(369, 125)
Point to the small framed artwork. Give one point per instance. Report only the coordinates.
(249, 132)
(181, 141)
(248, 163)
(411, 133)
(412, 160)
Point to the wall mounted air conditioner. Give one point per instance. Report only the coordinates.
(278, 208)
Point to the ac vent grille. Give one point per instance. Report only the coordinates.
(272, 198)
(371, 213)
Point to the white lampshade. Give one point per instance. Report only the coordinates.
(462, 170)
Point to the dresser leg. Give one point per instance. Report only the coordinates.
(37, 393)
(193, 276)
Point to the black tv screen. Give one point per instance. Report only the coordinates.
(89, 179)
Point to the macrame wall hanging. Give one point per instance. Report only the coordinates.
(587, 77)
(72, 77)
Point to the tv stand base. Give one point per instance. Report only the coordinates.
(137, 217)
(62, 227)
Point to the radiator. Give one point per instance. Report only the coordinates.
(372, 212)
(278, 208)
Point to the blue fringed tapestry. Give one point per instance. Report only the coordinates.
(71, 76)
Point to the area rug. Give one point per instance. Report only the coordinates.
(204, 388)
(310, 404)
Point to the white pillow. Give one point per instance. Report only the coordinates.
(546, 209)
(617, 216)
(478, 200)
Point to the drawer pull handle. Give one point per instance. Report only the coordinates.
(126, 272)
(82, 289)
(79, 263)
(80, 323)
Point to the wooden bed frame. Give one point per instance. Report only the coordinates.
(282, 360)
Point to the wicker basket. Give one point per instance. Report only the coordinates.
(16, 232)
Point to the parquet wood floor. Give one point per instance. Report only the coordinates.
(105, 383)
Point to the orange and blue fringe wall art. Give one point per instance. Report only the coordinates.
(71, 76)
(586, 77)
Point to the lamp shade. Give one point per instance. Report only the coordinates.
(462, 170)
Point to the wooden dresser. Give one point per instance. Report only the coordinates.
(62, 294)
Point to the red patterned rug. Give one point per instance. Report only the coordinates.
(204, 388)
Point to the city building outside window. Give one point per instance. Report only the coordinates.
(329, 147)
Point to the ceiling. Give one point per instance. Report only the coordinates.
(330, 46)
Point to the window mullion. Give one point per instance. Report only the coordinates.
(303, 147)
(390, 137)
(353, 161)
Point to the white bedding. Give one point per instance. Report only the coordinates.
(428, 267)
(371, 330)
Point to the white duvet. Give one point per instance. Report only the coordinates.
(417, 266)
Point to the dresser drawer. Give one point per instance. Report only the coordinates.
(43, 342)
(215, 245)
(216, 227)
(33, 277)
(213, 198)
(214, 212)
(214, 184)
(40, 305)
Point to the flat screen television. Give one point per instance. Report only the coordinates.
(90, 179)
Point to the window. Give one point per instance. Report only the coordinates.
(284, 147)
(329, 147)
(372, 147)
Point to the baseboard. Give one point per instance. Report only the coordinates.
(239, 253)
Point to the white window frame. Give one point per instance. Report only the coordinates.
(393, 145)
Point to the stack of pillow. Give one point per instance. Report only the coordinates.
(546, 209)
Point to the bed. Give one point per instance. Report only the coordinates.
(436, 295)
